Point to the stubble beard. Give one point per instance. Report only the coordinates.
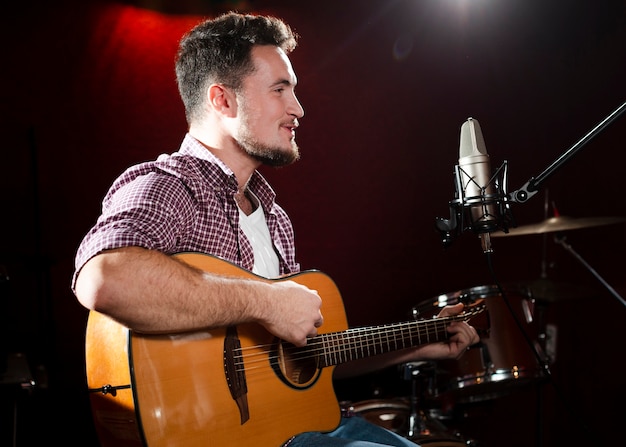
(270, 155)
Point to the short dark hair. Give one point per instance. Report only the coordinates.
(218, 51)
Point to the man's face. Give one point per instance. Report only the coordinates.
(268, 109)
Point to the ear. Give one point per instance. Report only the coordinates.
(222, 99)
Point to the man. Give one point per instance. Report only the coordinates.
(238, 88)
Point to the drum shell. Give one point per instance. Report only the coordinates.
(503, 359)
(394, 414)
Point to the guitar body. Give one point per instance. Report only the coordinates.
(219, 387)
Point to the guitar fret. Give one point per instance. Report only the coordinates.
(343, 351)
(362, 344)
(388, 345)
(335, 347)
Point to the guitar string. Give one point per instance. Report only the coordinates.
(388, 334)
(328, 346)
(312, 350)
(338, 344)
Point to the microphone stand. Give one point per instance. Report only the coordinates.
(531, 187)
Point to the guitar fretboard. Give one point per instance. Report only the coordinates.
(335, 348)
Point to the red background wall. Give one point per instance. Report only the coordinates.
(88, 89)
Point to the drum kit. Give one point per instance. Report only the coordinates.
(514, 351)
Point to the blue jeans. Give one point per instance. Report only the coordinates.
(352, 432)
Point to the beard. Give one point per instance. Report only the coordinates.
(269, 155)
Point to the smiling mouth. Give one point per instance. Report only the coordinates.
(291, 128)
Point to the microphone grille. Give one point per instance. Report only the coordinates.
(471, 139)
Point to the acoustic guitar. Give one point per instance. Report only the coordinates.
(234, 386)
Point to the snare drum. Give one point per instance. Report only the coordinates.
(394, 414)
(502, 359)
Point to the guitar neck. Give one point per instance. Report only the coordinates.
(335, 348)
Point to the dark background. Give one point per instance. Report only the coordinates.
(88, 89)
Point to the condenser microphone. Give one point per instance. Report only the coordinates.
(475, 181)
(480, 201)
(478, 189)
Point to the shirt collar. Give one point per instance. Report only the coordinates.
(257, 184)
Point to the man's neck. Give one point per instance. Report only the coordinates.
(227, 150)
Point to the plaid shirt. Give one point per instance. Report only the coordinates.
(184, 202)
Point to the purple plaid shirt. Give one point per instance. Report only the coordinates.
(184, 202)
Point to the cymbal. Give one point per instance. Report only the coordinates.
(560, 223)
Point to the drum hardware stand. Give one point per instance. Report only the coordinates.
(417, 429)
(413, 372)
(560, 239)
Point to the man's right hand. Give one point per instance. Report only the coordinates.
(294, 312)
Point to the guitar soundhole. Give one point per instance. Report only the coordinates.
(297, 367)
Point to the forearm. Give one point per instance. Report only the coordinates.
(150, 292)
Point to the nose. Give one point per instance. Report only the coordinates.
(295, 108)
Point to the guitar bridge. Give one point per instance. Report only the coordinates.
(235, 372)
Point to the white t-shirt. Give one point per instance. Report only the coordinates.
(255, 228)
